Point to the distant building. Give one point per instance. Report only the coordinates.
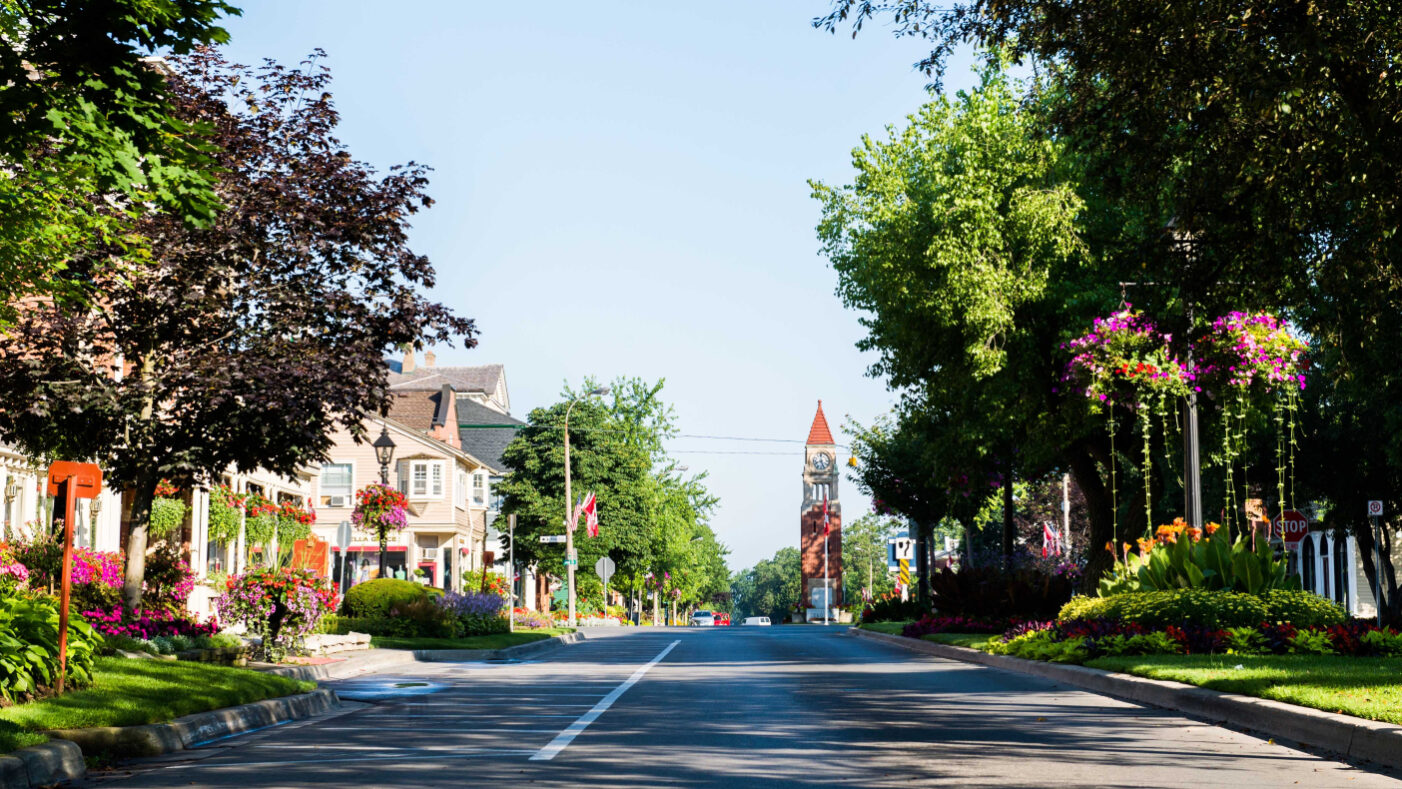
(821, 569)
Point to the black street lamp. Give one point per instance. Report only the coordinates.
(384, 452)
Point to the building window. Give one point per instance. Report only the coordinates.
(337, 485)
(460, 490)
(424, 479)
(479, 489)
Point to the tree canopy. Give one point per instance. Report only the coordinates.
(244, 342)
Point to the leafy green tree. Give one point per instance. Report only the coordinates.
(82, 116)
(864, 550)
(243, 343)
(1271, 133)
(962, 238)
(653, 520)
(770, 588)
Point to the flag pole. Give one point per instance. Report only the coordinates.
(827, 582)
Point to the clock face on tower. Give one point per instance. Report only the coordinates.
(822, 461)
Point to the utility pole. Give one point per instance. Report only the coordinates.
(570, 559)
(1066, 511)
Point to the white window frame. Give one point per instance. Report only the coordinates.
(460, 489)
(322, 495)
(480, 476)
(432, 488)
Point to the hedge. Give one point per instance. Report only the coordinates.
(1209, 608)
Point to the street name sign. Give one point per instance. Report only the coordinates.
(604, 567)
(571, 562)
(553, 538)
(1375, 509)
(1293, 528)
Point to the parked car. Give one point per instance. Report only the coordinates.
(756, 621)
(703, 619)
(722, 619)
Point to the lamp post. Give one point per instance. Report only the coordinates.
(1184, 242)
(384, 452)
(11, 492)
(569, 500)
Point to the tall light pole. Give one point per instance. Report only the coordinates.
(1184, 242)
(384, 452)
(570, 559)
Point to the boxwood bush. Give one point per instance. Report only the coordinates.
(376, 598)
(1303, 609)
(1210, 608)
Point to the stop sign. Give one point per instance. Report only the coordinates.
(1293, 528)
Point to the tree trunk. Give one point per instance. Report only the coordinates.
(1008, 528)
(1100, 511)
(143, 492)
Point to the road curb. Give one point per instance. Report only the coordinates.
(506, 653)
(196, 729)
(1356, 738)
(62, 759)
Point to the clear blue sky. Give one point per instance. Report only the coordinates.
(621, 190)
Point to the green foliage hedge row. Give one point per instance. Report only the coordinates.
(1210, 608)
(29, 647)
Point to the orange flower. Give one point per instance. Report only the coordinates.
(1110, 546)
(1212, 528)
(1145, 546)
(1196, 534)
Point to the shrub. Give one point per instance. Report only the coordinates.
(931, 623)
(376, 598)
(892, 608)
(477, 613)
(148, 623)
(496, 582)
(375, 626)
(168, 580)
(97, 575)
(29, 647)
(1302, 609)
(992, 593)
(1214, 609)
(281, 606)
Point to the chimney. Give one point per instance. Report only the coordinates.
(429, 358)
(408, 366)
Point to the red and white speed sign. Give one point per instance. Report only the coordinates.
(1293, 528)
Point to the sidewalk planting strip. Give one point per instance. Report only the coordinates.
(1357, 738)
(565, 737)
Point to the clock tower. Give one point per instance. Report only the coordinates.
(819, 486)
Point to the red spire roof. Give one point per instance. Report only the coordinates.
(819, 433)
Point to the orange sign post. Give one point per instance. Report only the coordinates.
(68, 482)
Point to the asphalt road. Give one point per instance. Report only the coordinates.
(736, 707)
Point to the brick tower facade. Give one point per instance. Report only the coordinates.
(819, 484)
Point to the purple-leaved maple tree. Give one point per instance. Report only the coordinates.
(244, 343)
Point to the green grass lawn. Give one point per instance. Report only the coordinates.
(131, 692)
(493, 641)
(1364, 687)
(974, 640)
(891, 628)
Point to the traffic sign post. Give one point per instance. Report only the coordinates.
(343, 541)
(1293, 528)
(604, 568)
(1375, 511)
(68, 482)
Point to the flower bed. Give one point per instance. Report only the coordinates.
(524, 617)
(478, 613)
(148, 623)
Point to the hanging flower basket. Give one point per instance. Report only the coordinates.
(380, 510)
(1253, 351)
(1125, 358)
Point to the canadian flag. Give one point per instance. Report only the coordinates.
(589, 508)
(1051, 540)
(827, 524)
